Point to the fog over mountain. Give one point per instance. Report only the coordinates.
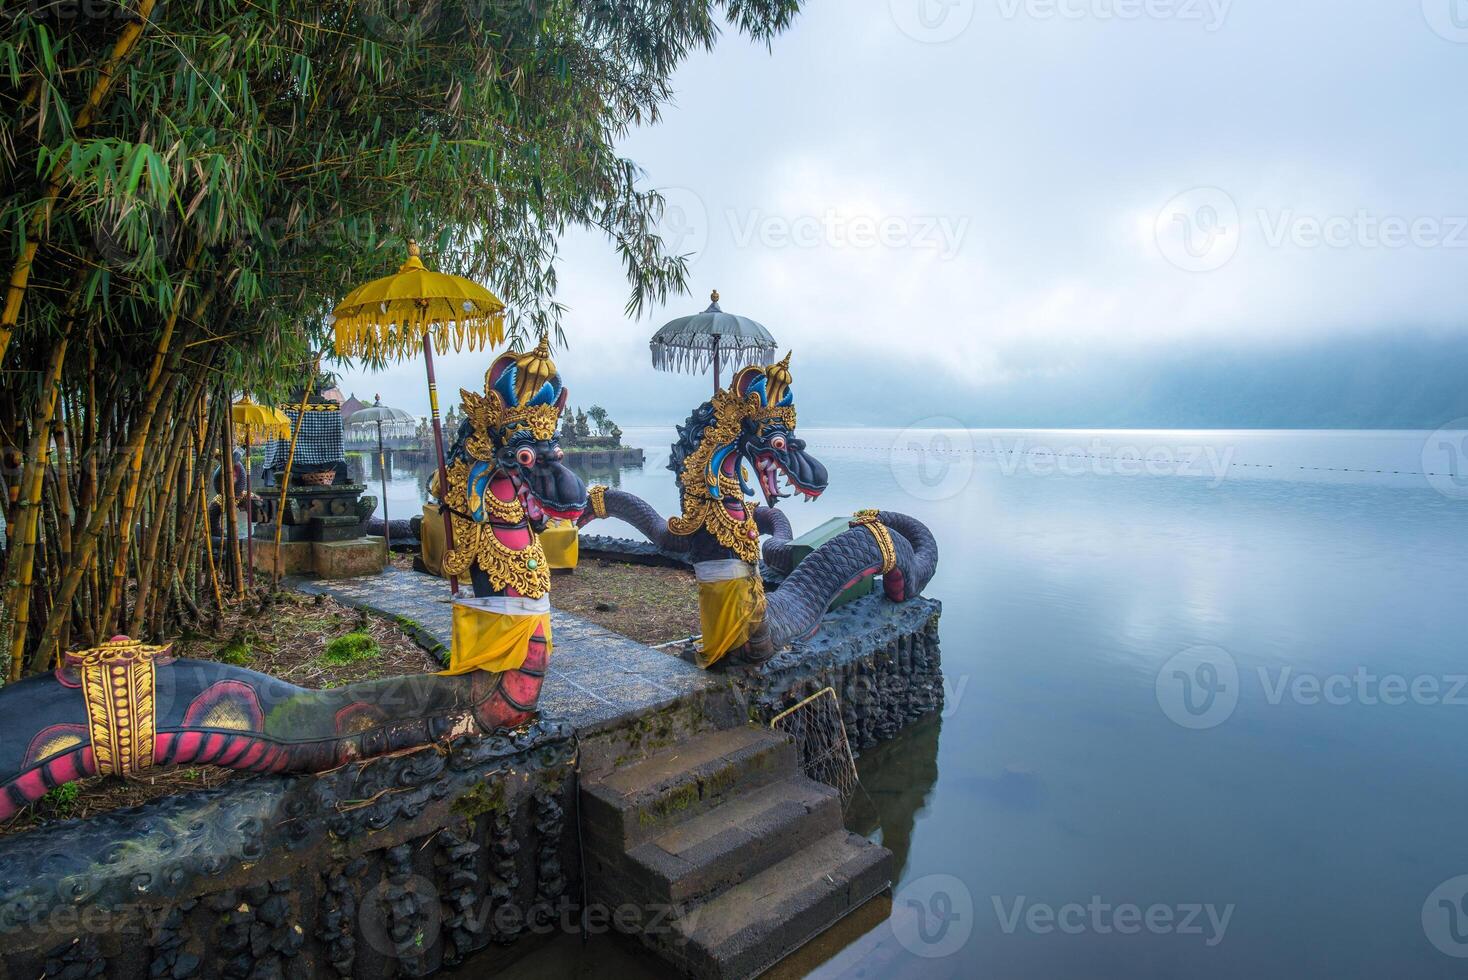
(1226, 214)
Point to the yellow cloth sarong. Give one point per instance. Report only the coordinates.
(728, 609)
(493, 641)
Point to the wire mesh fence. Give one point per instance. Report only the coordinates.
(820, 741)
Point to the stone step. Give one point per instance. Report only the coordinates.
(733, 842)
(636, 803)
(751, 926)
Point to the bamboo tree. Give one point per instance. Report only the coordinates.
(30, 501)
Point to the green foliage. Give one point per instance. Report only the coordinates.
(236, 652)
(350, 648)
(62, 799)
(253, 160)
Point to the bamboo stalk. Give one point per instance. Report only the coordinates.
(147, 560)
(290, 459)
(20, 274)
(228, 518)
(155, 374)
(20, 596)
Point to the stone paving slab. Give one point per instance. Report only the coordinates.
(595, 676)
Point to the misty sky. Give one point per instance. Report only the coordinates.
(971, 203)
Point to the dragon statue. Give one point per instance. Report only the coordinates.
(126, 706)
(753, 422)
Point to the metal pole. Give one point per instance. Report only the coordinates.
(249, 520)
(443, 468)
(716, 364)
(382, 466)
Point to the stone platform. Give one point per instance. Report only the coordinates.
(597, 679)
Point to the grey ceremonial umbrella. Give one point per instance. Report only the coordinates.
(692, 343)
(380, 413)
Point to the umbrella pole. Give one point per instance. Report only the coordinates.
(716, 364)
(249, 521)
(443, 468)
(382, 468)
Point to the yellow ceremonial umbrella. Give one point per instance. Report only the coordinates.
(394, 316)
(251, 420)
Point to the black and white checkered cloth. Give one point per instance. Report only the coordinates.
(319, 444)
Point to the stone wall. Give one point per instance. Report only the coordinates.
(882, 659)
(393, 867)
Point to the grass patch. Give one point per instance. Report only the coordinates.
(62, 799)
(236, 652)
(350, 649)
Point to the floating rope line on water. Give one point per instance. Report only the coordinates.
(1129, 459)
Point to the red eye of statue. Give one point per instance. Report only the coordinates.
(778, 442)
(526, 457)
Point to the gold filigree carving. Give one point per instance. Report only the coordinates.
(596, 497)
(118, 682)
(868, 519)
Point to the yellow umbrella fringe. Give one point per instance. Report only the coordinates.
(397, 340)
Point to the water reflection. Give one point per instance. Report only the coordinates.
(897, 778)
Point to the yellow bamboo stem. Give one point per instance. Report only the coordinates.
(208, 539)
(29, 521)
(20, 273)
(135, 467)
(290, 459)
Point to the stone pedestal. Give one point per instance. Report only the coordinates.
(326, 559)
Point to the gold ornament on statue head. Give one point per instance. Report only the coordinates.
(520, 390)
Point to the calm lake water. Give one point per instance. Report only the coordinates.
(1206, 697)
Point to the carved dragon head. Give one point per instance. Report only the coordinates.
(511, 430)
(753, 421)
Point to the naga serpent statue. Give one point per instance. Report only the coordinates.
(126, 706)
(753, 421)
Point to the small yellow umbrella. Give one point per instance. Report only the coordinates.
(393, 317)
(251, 420)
